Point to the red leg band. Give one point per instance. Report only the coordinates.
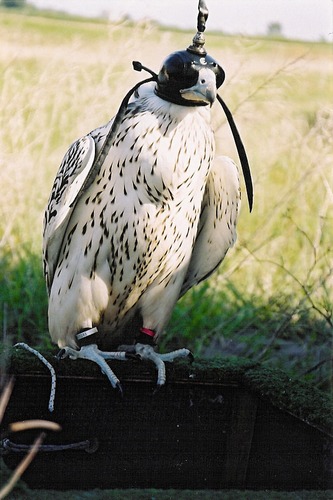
(148, 332)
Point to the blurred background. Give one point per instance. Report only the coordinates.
(301, 19)
(64, 72)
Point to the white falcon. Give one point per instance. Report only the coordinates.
(140, 211)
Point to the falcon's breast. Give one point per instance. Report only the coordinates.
(132, 232)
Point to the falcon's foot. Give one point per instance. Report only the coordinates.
(146, 352)
(92, 353)
(139, 351)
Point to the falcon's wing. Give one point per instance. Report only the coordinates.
(73, 172)
(217, 225)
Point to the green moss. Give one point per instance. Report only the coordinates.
(291, 394)
(145, 494)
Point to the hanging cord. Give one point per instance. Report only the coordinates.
(241, 152)
(90, 446)
(49, 366)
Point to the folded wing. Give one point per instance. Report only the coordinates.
(217, 226)
(72, 174)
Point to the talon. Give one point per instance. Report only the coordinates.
(62, 354)
(158, 388)
(92, 353)
(119, 389)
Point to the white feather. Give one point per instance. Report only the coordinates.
(158, 218)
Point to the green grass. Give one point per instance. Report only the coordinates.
(152, 494)
(271, 300)
(22, 492)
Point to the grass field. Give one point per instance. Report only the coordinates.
(272, 298)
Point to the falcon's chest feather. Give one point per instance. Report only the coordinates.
(134, 228)
(161, 152)
(146, 200)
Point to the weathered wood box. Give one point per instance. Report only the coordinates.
(218, 424)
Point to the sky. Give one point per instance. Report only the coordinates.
(299, 19)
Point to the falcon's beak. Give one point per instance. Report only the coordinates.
(204, 90)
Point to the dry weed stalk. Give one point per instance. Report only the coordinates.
(18, 427)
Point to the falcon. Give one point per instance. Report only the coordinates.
(141, 210)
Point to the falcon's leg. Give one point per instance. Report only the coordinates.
(92, 353)
(143, 350)
(146, 352)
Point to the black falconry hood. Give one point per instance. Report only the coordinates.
(178, 82)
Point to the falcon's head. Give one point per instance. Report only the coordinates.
(189, 79)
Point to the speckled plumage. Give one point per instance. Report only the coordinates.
(158, 218)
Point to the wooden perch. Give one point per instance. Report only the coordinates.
(225, 423)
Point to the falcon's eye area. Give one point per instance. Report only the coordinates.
(216, 68)
(182, 68)
(186, 75)
(180, 71)
(220, 75)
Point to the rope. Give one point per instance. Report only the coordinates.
(88, 446)
(49, 366)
